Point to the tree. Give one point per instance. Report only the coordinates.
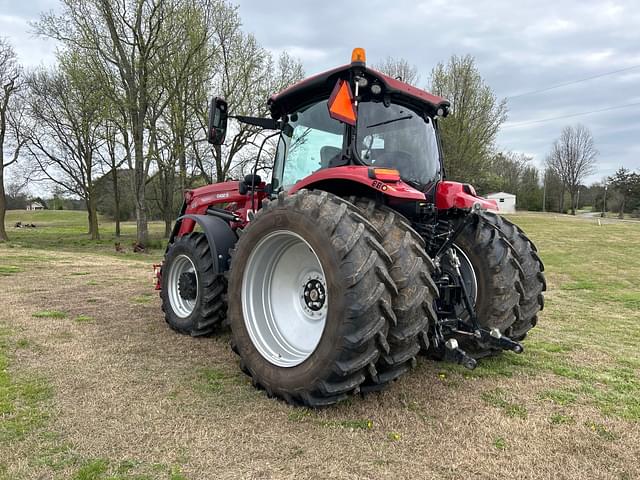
(505, 172)
(127, 42)
(114, 160)
(469, 132)
(530, 193)
(573, 158)
(245, 74)
(627, 185)
(16, 195)
(67, 111)
(172, 112)
(10, 119)
(399, 68)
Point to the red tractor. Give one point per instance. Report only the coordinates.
(357, 255)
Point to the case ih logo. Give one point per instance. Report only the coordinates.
(222, 195)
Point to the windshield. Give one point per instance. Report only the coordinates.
(395, 136)
(313, 142)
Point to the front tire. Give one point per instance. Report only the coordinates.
(192, 294)
(273, 305)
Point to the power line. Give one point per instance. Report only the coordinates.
(572, 82)
(543, 120)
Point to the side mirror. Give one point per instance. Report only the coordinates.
(218, 114)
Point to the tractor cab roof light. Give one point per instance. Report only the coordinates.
(358, 56)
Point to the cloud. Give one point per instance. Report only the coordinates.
(519, 47)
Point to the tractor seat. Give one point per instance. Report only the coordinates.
(329, 156)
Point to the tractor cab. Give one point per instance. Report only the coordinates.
(357, 116)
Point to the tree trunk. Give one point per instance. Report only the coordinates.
(140, 184)
(621, 213)
(141, 218)
(3, 208)
(92, 211)
(183, 168)
(116, 197)
(573, 203)
(561, 205)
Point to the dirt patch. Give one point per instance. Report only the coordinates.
(130, 391)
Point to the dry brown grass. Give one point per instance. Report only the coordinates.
(144, 400)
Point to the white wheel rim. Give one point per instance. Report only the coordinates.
(284, 298)
(182, 307)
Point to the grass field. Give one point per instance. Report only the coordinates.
(94, 385)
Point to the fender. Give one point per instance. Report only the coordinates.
(360, 174)
(220, 236)
(460, 195)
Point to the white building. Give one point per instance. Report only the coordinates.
(35, 206)
(506, 201)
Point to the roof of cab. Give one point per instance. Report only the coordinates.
(320, 86)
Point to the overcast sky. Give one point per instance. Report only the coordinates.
(519, 47)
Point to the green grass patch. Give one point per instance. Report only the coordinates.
(54, 453)
(93, 470)
(500, 443)
(143, 298)
(8, 270)
(66, 230)
(21, 399)
(602, 431)
(356, 424)
(105, 469)
(79, 273)
(498, 398)
(306, 415)
(561, 419)
(558, 396)
(300, 414)
(83, 319)
(214, 380)
(49, 314)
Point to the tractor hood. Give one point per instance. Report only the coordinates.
(317, 87)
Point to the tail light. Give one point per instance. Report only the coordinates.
(384, 174)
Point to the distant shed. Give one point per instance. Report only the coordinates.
(35, 205)
(506, 201)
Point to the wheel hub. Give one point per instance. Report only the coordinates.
(187, 285)
(314, 295)
(182, 285)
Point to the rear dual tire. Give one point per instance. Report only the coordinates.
(503, 275)
(531, 276)
(337, 248)
(411, 270)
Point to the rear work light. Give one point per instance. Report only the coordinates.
(384, 174)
